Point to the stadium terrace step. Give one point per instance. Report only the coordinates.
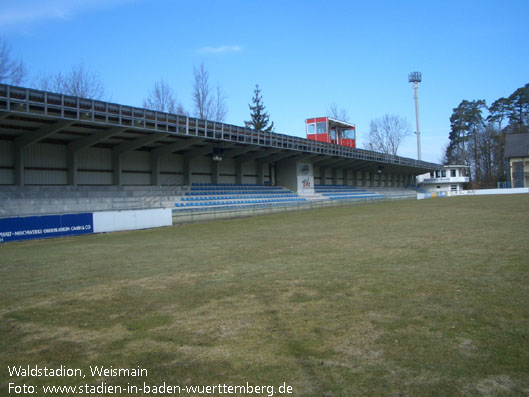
(37, 200)
(395, 192)
(344, 192)
(212, 196)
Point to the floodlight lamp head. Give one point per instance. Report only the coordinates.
(415, 77)
(217, 154)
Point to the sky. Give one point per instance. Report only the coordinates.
(305, 55)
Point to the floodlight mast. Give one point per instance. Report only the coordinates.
(416, 78)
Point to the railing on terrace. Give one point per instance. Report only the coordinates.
(35, 102)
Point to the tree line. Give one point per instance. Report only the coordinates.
(477, 135)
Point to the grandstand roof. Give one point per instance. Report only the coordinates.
(29, 116)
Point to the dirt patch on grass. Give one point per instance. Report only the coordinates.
(467, 347)
(91, 340)
(495, 385)
(358, 342)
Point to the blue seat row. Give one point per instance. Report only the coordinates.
(356, 197)
(334, 186)
(204, 206)
(347, 194)
(249, 188)
(226, 184)
(232, 207)
(238, 197)
(220, 192)
(231, 202)
(341, 191)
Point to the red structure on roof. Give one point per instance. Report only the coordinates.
(326, 129)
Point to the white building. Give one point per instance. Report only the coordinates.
(448, 179)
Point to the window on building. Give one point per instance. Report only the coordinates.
(321, 128)
(453, 173)
(437, 174)
(453, 188)
(431, 174)
(443, 173)
(517, 172)
(310, 128)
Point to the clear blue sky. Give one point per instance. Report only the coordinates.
(305, 55)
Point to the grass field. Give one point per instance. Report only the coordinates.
(392, 298)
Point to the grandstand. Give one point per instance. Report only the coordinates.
(61, 154)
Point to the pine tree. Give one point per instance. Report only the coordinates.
(519, 112)
(259, 117)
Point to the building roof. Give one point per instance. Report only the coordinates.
(30, 116)
(517, 145)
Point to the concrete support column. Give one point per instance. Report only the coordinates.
(72, 164)
(355, 177)
(215, 171)
(155, 170)
(238, 172)
(389, 180)
(187, 171)
(19, 166)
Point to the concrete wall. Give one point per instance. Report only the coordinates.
(172, 170)
(53, 164)
(7, 162)
(50, 164)
(94, 167)
(287, 174)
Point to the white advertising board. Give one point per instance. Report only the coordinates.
(113, 221)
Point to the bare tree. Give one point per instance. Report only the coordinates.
(163, 99)
(220, 107)
(387, 133)
(208, 105)
(79, 81)
(202, 97)
(337, 113)
(11, 71)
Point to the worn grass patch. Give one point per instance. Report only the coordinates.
(393, 298)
